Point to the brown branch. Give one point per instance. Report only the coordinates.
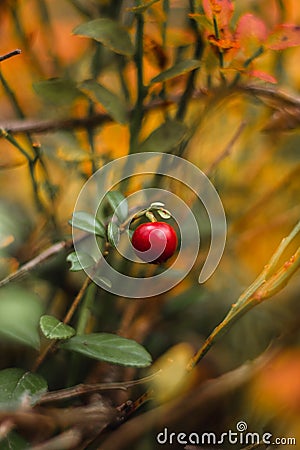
(47, 125)
(275, 97)
(33, 263)
(202, 399)
(227, 150)
(10, 54)
(52, 346)
(82, 389)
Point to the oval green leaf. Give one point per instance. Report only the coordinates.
(110, 33)
(110, 348)
(52, 328)
(115, 107)
(86, 222)
(119, 204)
(20, 311)
(80, 261)
(179, 69)
(16, 383)
(113, 234)
(164, 138)
(58, 91)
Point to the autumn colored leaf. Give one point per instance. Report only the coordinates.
(284, 36)
(262, 76)
(223, 44)
(250, 32)
(221, 9)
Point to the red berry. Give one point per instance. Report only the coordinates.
(154, 242)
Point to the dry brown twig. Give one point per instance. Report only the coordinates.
(273, 97)
(202, 399)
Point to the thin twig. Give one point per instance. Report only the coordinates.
(51, 347)
(33, 263)
(268, 283)
(227, 150)
(10, 54)
(204, 399)
(82, 389)
(190, 83)
(39, 126)
(77, 300)
(137, 113)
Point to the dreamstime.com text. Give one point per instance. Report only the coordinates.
(239, 436)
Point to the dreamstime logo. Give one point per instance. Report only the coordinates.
(232, 437)
(144, 164)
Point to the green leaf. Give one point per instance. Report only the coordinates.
(110, 348)
(113, 234)
(179, 69)
(80, 261)
(119, 204)
(16, 383)
(86, 222)
(54, 329)
(58, 91)
(110, 33)
(164, 138)
(20, 311)
(13, 441)
(115, 107)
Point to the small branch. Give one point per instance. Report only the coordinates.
(190, 84)
(51, 347)
(137, 113)
(77, 300)
(83, 389)
(277, 96)
(203, 400)
(10, 54)
(38, 126)
(33, 263)
(227, 150)
(12, 97)
(268, 283)
(45, 125)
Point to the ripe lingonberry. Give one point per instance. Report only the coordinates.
(154, 242)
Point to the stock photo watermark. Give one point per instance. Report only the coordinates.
(164, 165)
(238, 436)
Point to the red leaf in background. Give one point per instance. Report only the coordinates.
(262, 76)
(221, 9)
(250, 31)
(284, 36)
